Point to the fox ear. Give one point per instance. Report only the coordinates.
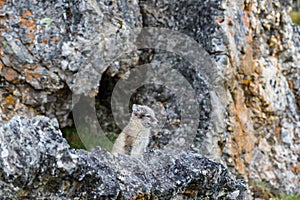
(135, 108)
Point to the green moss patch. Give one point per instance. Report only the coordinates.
(295, 17)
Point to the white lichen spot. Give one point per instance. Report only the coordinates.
(4, 153)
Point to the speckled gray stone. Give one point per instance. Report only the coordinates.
(48, 47)
(36, 162)
(58, 47)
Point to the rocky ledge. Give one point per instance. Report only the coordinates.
(37, 162)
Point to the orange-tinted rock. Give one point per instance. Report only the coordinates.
(247, 63)
(9, 74)
(8, 102)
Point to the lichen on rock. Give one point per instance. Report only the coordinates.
(249, 106)
(37, 162)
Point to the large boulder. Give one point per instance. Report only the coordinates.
(37, 162)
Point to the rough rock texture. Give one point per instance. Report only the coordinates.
(256, 47)
(44, 45)
(47, 46)
(35, 161)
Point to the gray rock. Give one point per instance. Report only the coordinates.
(36, 162)
(286, 133)
(50, 50)
(46, 44)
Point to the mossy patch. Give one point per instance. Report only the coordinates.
(290, 197)
(262, 190)
(71, 135)
(87, 140)
(295, 17)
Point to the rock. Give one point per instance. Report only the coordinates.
(44, 45)
(286, 130)
(37, 162)
(249, 98)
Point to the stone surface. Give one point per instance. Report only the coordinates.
(256, 48)
(252, 126)
(36, 162)
(45, 44)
